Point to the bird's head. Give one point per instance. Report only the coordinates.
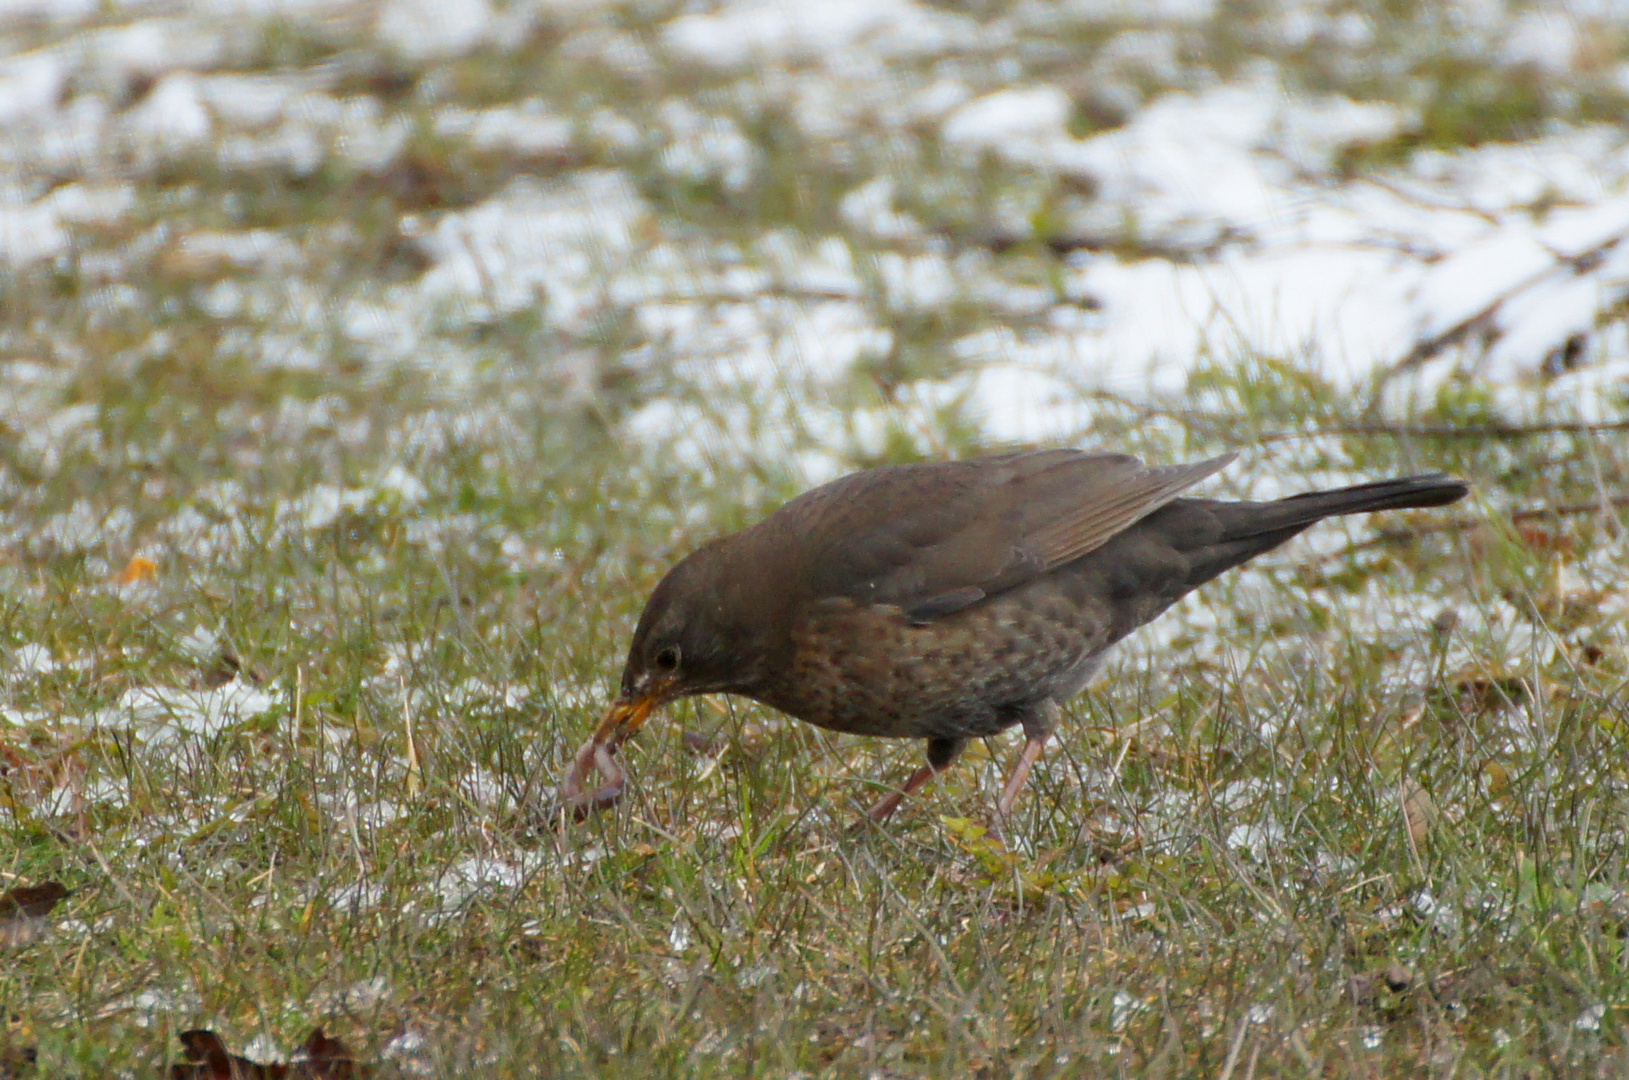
(682, 645)
(690, 640)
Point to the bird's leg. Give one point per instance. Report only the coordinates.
(941, 752)
(1039, 724)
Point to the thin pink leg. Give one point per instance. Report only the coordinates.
(941, 753)
(1033, 748)
(885, 806)
(1038, 728)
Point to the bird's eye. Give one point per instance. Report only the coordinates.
(668, 658)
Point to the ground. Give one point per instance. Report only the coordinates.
(363, 366)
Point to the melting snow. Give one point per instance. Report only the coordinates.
(833, 32)
(161, 714)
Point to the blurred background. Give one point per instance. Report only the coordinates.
(809, 236)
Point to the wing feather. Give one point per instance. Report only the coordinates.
(935, 538)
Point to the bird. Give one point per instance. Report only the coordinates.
(945, 601)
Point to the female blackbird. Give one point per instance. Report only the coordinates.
(945, 601)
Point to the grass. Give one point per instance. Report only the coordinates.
(1218, 863)
(1357, 811)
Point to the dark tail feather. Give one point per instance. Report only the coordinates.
(1248, 529)
(1298, 511)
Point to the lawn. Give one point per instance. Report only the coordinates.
(364, 366)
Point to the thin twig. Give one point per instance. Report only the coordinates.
(1235, 1045)
(1460, 524)
(1217, 426)
(415, 771)
(1565, 509)
(1205, 423)
(1425, 200)
(1450, 431)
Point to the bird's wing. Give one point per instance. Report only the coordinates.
(935, 538)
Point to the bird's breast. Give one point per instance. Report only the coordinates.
(869, 670)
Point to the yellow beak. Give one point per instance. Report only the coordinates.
(624, 719)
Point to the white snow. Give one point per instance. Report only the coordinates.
(31, 659)
(432, 29)
(259, 250)
(31, 84)
(162, 713)
(557, 245)
(1346, 279)
(1011, 121)
(830, 32)
(530, 128)
(172, 119)
(1231, 232)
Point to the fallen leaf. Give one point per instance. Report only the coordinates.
(1477, 695)
(139, 568)
(1381, 986)
(1538, 538)
(23, 912)
(17, 1062)
(699, 744)
(208, 1060)
(225, 669)
(1030, 881)
(1419, 811)
(323, 1058)
(319, 1058)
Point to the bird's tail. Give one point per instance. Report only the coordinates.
(1242, 530)
(1289, 516)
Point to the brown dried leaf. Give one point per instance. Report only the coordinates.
(225, 669)
(1482, 695)
(23, 912)
(700, 744)
(1539, 538)
(319, 1058)
(1419, 811)
(323, 1058)
(208, 1059)
(16, 1062)
(139, 568)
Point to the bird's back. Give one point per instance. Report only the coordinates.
(938, 626)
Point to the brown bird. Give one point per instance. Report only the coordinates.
(945, 601)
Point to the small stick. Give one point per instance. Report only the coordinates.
(1460, 524)
(415, 773)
